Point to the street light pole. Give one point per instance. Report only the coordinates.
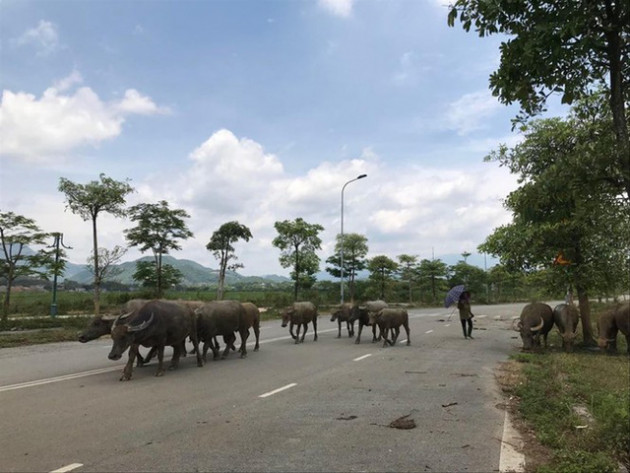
(58, 241)
(342, 242)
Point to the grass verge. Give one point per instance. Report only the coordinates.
(573, 409)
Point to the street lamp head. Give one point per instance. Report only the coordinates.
(362, 176)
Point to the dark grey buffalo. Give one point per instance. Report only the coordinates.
(251, 320)
(566, 318)
(156, 324)
(361, 315)
(300, 314)
(342, 314)
(224, 318)
(610, 323)
(390, 320)
(536, 319)
(102, 325)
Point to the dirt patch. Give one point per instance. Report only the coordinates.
(403, 423)
(508, 376)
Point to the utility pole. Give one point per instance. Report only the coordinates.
(58, 242)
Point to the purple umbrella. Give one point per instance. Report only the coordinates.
(453, 295)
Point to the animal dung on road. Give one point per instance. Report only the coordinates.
(403, 423)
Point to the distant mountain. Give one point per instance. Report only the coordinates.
(194, 273)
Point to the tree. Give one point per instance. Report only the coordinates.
(298, 241)
(472, 277)
(559, 209)
(382, 270)
(408, 267)
(17, 233)
(108, 261)
(88, 201)
(147, 274)
(355, 249)
(158, 229)
(567, 47)
(432, 272)
(221, 245)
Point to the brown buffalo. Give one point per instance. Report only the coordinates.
(390, 320)
(224, 318)
(300, 314)
(566, 318)
(610, 323)
(536, 319)
(342, 314)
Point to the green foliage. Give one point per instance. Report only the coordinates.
(159, 229)
(147, 275)
(382, 271)
(16, 233)
(353, 248)
(298, 240)
(221, 246)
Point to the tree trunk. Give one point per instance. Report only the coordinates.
(158, 268)
(222, 268)
(612, 32)
(585, 316)
(7, 296)
(297, 273)
(97, 279)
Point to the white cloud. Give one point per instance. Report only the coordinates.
(43, 37)
(468, 113)
(342, 8)
(37, 130)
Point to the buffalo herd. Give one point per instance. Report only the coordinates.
(537, 319)
(158, 323)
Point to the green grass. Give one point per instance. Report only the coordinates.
(556, 382)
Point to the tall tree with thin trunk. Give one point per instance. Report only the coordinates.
(88, 201)
(382, 270)
(298, 240)
(221, 246)
(355, 249)
(408, 270)
(158, 229)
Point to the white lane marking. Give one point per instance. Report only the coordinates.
(403, 341)
(362, 357)
(56, 379)
(481, 316)
(428, 331)
(64, 469)
(275, 391)
(510, 459)
(447, 325)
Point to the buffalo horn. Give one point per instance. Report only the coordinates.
(516, 324)
(121, 316)
(142, 326)
(539, 326)
(108, 318)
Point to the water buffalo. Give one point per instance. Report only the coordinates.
(300, 314)
(610, 323)
(252, 319)
(361, 314)
(216, 318)
(391, 319)
(102, 325)
(156, 324)
(344, 314)
(536, 319)
(566, 317)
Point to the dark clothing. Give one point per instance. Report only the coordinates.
(465, 315)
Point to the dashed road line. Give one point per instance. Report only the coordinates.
(65, 469)
(428, 331)
(276, 391)
(510, 459)
(362, 357)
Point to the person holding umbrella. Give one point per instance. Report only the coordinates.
(465, 314)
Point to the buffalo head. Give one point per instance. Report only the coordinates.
(123, 336)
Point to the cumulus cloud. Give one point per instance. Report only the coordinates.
(39, 129)
(468, 113)
(44, 37)
(342, 8)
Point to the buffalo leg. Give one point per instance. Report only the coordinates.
(294, 337)
(350, 327)
(305, 327)
(160, 354)
(127, 371)
(314, 328)
(339, 328)
(374, 339)
(358, 340)
(244, 336)
(177, 353)
(407, 330)
(257, 334)
(297, 333)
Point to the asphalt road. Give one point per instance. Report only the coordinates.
(318, 406)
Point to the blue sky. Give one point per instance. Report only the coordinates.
(256, 111)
